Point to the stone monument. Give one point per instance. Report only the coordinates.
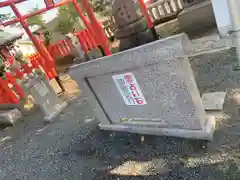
(131, 28)
(150, 89)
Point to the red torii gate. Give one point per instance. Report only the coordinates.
(93, 26)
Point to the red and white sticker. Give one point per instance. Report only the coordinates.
(129, 89)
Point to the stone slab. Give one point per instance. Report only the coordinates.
(210, 44)
(10, 117)
(213, 101)
(162, 74)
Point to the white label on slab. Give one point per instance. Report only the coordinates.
(41, 89)
(129, 89)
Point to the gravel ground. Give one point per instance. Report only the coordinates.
(72, 148)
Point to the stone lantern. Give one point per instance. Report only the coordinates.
(131, 27)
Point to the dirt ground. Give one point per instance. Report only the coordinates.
(72, 147)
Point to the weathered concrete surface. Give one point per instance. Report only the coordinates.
(213, 100)
(164, 75)
(72, 149)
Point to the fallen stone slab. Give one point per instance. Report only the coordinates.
(214, 100)
(150, 89)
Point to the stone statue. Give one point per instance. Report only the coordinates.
(124, 13)
(131, 27)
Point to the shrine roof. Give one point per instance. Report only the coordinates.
(6, 37)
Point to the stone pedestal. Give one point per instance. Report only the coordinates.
(44, 96)
(198, 18)
(149, 89)
(136, 40)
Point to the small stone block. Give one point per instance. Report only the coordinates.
(57, 89)
(213, 101)
(10, 117)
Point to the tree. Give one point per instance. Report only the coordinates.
(36, 20)
(4, 17)
(102, 7)
(68, 16)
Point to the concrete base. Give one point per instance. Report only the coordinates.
(59, 108)
(205, 134)
(197, 18)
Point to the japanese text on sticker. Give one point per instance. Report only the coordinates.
(129, 89)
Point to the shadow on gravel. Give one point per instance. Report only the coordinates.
(123, 156)
(214, 72)
(198, 173)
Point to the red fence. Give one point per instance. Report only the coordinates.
(38, 61)
(86, 40)
(10, 91)
(64, 47)
(60, 49)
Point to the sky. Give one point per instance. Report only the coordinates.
(28, 5)
(24, 8)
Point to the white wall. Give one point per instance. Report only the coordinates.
(222, 16)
